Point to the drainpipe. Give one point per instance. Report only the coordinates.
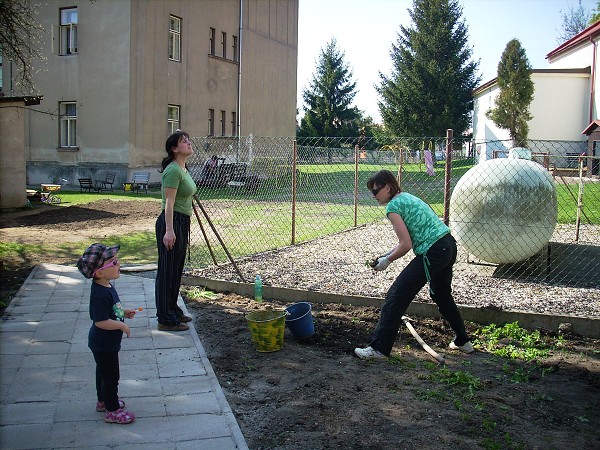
(593, 79)
(239, 87)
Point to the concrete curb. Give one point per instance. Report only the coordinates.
(581, 325)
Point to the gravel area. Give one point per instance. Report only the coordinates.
(336, 264)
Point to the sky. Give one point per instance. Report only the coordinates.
(366, 29)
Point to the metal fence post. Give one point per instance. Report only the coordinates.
(294, 162)
(447, 176)
(356, 150)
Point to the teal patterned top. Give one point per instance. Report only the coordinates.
(424, 226)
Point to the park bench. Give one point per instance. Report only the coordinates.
(109, 179)
(86, 184)
(140, 181)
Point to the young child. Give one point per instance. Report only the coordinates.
(100, 263)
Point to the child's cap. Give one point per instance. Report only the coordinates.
(94, 257)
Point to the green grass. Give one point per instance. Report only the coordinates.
(137, 248)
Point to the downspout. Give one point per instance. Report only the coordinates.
(239, 87)
(593, 79)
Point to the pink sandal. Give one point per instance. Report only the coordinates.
(119, 416)
(101, 407)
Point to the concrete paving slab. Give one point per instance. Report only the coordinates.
(166, 378)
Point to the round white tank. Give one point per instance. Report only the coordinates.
(504, 210)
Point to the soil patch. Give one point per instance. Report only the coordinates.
(316, 394)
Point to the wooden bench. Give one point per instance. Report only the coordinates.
(86, 184)
(140, 181)
(107, 182)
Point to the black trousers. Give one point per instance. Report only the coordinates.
(170, 268)
(107, 379)
(439, 259)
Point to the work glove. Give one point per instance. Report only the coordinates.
(382, 264)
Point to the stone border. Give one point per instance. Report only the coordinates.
(580, 325)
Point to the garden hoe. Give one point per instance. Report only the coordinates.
(426, 347)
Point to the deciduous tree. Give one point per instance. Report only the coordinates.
(20, 40)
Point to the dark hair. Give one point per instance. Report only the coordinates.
(172, 142)
(383, 177)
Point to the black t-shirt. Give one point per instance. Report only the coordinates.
(104, 305)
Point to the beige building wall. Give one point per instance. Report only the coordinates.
(12, 152)
(269, 68)
(123, 81)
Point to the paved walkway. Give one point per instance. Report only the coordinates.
(47, 374)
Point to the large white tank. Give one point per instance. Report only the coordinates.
(504, 210)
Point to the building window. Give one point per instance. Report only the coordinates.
(173, 118)
(234, 48)
(68, 124)
(211, 50)
(211, 122)
(224, 44)
(233, 124)
(68, 31)
(174, 38)
(223, 121)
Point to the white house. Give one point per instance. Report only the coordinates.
(565, 102)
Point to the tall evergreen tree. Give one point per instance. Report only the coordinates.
(511, 111)
(328, 98)
(433, 75)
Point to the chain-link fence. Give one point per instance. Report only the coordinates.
(525, 219)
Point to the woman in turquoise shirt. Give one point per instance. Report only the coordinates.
(172, 231)
(418, 227)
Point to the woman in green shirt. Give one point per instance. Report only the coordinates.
(418, 227)
(172, 231)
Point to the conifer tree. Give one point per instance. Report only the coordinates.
(511, 111)
(429, 89)
(328, 98)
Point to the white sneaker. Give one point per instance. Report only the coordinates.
(369, 353)
(467, 347)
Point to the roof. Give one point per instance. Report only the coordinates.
(28, 100)
(586, 35)
(591, 127)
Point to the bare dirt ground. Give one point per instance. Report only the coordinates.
(315, 394)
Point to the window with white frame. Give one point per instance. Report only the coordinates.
(68, 124)
(211, 122)
(224, 44)
(68, 31)
(174, 38)
(212, 37)
(173, 118)
(234, 48)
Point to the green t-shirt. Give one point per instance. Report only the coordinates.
(424, 226)
(175, 177)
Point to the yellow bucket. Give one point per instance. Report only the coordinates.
(267, 328)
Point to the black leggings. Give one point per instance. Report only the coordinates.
(107, 379)
(440, 257)
(170, 268)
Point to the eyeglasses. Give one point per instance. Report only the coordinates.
(113, 263)
(375, 191)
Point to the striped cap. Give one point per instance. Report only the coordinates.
(94, 257)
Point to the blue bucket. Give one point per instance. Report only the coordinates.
(299, 320)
